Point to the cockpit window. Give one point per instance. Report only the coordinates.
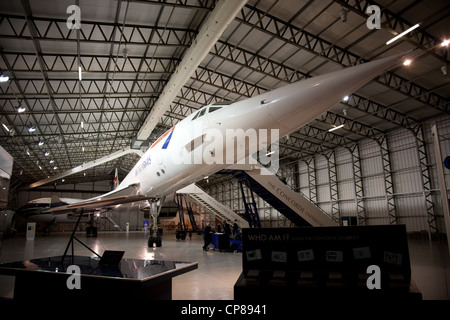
(212, 109)
(196, 116)
(200, 113)
(223, 103)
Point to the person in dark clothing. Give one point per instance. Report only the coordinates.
(227, 229)
(207, 237)
(235, 228)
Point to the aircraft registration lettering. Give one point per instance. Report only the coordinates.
(143, 166)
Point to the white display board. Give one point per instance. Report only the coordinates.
(31, 230)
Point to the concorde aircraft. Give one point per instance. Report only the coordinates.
(220, 134)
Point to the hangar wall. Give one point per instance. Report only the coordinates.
(77, 191)
(383, 180)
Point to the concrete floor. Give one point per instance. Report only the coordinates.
(217, 271)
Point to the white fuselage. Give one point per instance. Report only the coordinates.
(183, 154)
(220, 135)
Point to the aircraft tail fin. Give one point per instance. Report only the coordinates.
(116, 180)
(56, 202)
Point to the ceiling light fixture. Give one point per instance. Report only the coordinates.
(79, 73)
(335, 128)
(31, 129)
(46, 153)
(345, 98)
(41, 143)
(21, 109)
(402, 34)
(125, 52)
(4, 78)
(407, 62)
(343, 14)
(4, 126)
(445, 43)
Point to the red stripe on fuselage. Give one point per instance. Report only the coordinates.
(162, 137)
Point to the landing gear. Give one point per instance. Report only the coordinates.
(155, 239)
(91, 229)
(180, 235)
(155, 232)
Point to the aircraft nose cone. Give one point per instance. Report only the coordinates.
(299, 103)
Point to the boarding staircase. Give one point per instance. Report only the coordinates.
(291, 204)
(212, 205)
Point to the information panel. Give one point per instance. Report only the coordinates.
(324, 256)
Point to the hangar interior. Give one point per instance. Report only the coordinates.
(75, 96)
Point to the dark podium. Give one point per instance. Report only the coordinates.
(46, 278)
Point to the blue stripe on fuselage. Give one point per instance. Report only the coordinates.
(166, 144)
(58, 204)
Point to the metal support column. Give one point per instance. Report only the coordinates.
(334, 192)
(310, 163)
(424, 165)
(358, 183)
(296, 177)
(388, 179)
(441, 179)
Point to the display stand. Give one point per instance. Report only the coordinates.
(133, 279)
(73, 237)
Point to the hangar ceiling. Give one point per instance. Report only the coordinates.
(128, 51)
